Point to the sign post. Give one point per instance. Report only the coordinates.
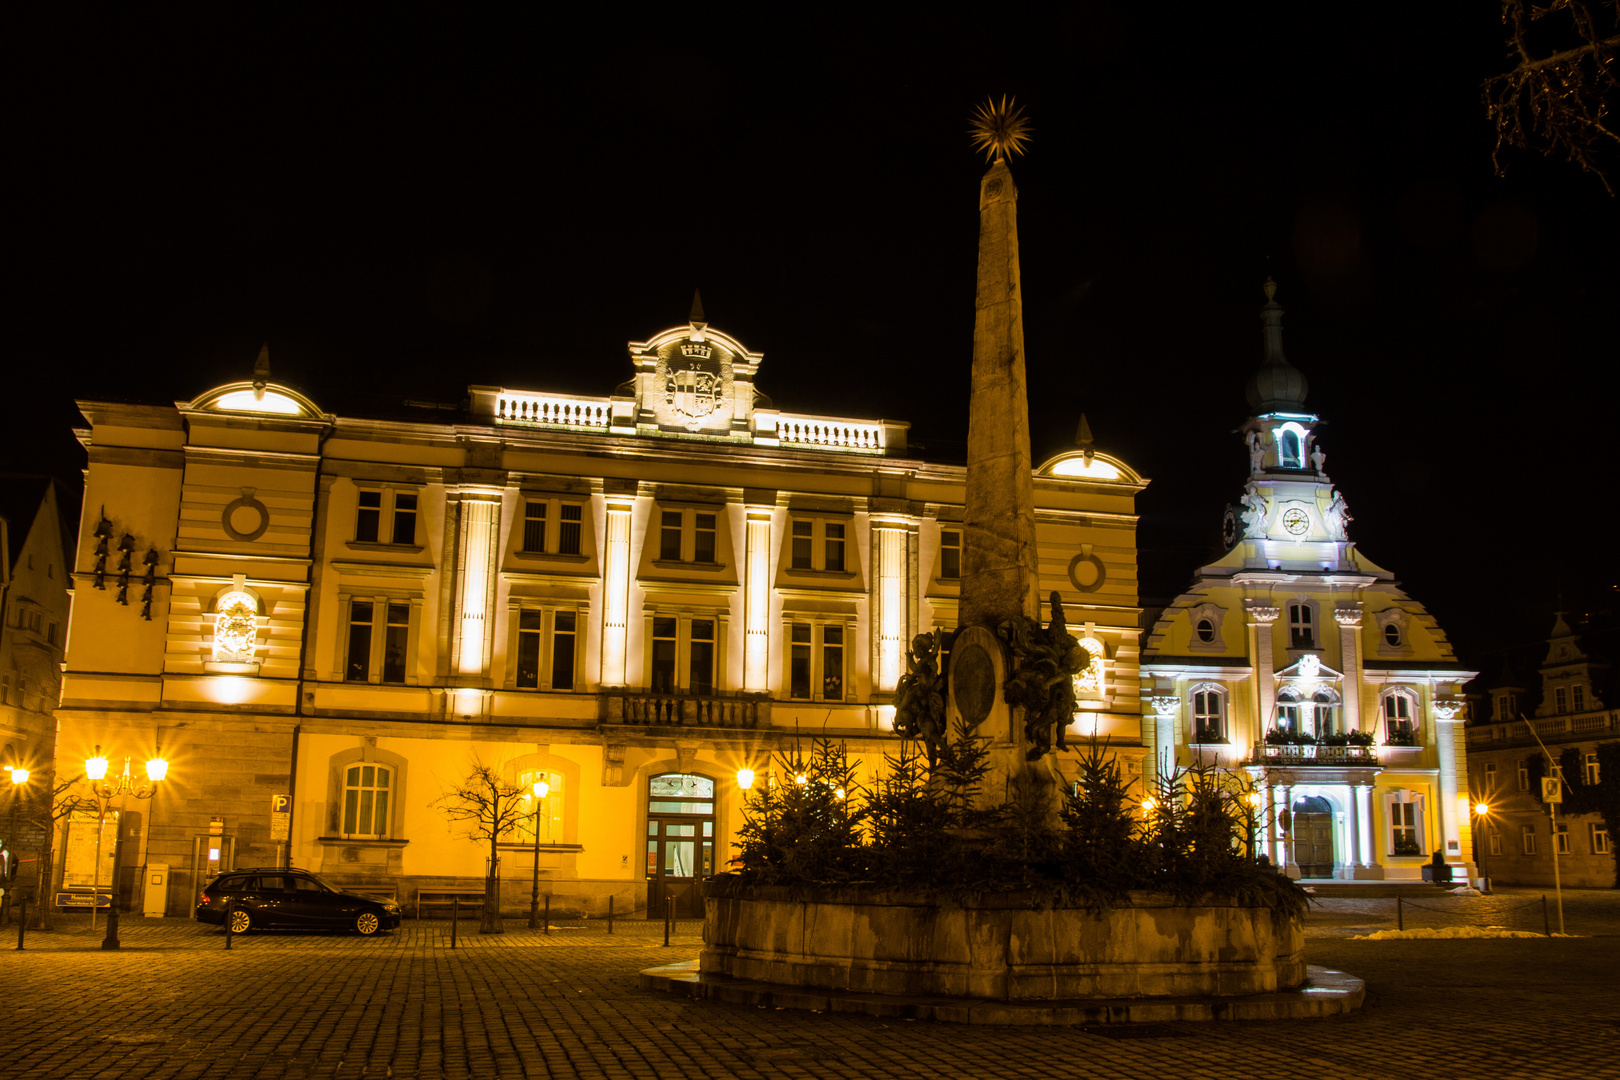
(280, 825)
(1552, 793)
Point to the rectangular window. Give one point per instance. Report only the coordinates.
(395, 640)
(1300, 628)
(359, 665)
(669, 537)
(1593, 772)
(832, 662)
(569, 530)
(51, 632)
(950, 555)
(1490, 778)
(1561, 698)
(1505, 706)
(1527, 839)
(1524, 774)
(1398, 719)
(1496, 842)
(799, 662)
(700, 665)
(404, 518)
(1600, 839)
(368, 517)
(703, 538)
(1562, 838)
(528, 654)
(803, 537)
(1288, 718)
(562, 651)
(835, 546)
(663, 656)
(365, 800)
(534, 527)
(1207, 718)
(1580, 697)
(1404, 827)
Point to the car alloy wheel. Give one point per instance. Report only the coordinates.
(367, 922)
(240, 921)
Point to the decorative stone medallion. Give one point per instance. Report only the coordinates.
(245, 519)
(973, 682)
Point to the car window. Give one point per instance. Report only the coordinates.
(236, 883)
(306, 885)
(272, 883)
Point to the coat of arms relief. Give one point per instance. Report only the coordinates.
(694, 390)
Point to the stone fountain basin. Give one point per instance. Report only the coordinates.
(1000, 947)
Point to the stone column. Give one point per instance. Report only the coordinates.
(616, 592)
(1348, 616)
(757, 601)
(999, 568)
(475, 586)
(1353, 821)
(1369, 830)
(890, 605)
(1166, 730)
(1453, 814)
(1261, 616)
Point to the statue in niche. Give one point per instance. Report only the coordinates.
(1254, 513)
(919, 698)
(1046, 661)
(1337, 517)
(1318, 458)
(1257, 454)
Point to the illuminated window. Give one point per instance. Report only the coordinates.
(950, 555)
(1092, 682)
(366, 794)
(236, 627)
(534, 526)
(1405, 838)
(570, 529)
(1400, 714)
(1209, 715)
(1291, 446)
(1527, 839)
(1288, 712)
(548, 821)
(1301, 626)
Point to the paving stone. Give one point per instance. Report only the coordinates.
(175, 1003)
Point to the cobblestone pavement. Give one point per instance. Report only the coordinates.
(175, 1003)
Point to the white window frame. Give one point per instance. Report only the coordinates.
(684, 617)
(389, 790)
(1561, 838)
(1599, 838)
(1591, 769)
(818, 646)
(1390, 719)
(1416, 827)
(387, 509)
(378, 646)
(1309, 622)
(1200, 711)
(1527, 839)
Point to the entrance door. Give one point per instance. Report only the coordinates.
(1313, 844)
(680, 842)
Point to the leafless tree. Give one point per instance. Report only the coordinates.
(44, 811)
(1555, 97)
(490, 807)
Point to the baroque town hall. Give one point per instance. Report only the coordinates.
(325, 622)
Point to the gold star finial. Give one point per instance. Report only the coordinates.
(999, 129)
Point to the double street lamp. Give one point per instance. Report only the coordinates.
(105, 791)
(541, 790)
(1482, 827)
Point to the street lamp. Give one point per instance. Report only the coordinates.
(745, 778)
(105, 791)
(1482, 811)
(19, 777)
(541, 790)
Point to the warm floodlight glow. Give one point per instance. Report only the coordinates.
(1482, 809)
(19, 776)
(541, 789)
(1256, 799)
(266, 402)
(478, 526)
(801, 779)
(156, 769)
(839, 794)
(745, 778)
(1095, 469)
(1148, 804)
(616, 595)
(95, 768)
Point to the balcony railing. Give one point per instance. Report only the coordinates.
(553, 410)
(830, 433)
(1325, 756)
(648, 709)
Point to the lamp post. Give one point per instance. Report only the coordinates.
(19, 777)
(1482, 815)
(541, 790)
(105, 791)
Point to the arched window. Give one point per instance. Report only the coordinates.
(1288, 712)
(1325, 704)
(1291, 446)
(1208, 714)
(367, 794)
(549, 819)
(1400, 717)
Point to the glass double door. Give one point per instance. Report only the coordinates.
(680, 854)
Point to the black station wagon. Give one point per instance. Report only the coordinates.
(290, 899)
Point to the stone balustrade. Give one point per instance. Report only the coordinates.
(830, 433)
(643, 708)
(553, 410)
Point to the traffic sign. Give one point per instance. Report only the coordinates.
(1552, 789)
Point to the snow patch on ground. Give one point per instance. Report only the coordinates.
(1448, 932)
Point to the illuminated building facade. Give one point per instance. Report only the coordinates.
(632, 597)
(1296, 665)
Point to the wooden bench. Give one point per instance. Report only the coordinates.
(473, 898)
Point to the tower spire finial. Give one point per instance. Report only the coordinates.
(1278, 386)
(1082, 436)
(999, 129)
(697, 308)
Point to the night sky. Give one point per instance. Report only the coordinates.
(408, 200)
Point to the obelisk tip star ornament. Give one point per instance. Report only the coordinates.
(999, 129)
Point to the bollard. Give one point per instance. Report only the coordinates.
(1400, 914)
(548, 913)
(610, 913)
(230, 909)
(1545, 921)
(669, 916)
(22, 919)
(455, 919)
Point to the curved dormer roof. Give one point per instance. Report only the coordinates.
(255, 398)
(1095, 467)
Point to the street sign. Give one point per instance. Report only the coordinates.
(280, 817)
(1552, 789)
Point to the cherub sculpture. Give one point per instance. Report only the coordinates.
(1042, 684)
(919, 700)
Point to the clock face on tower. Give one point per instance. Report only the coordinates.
(1296, 521)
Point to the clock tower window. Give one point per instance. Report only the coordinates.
(1301, 626)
